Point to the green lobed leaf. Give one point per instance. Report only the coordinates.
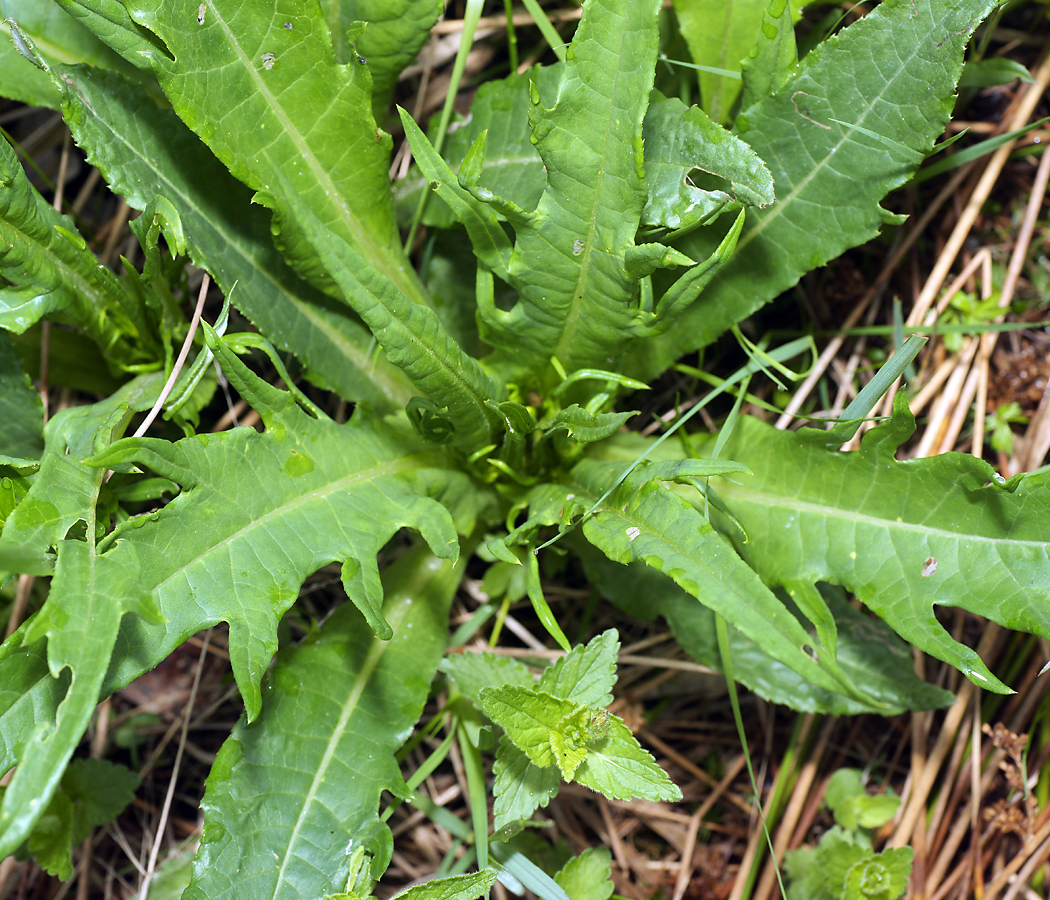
(903, 536)
(412, 336)
(640, 520)
(577, 303)
(144, 150)
(265, 92)
(295, 793)
(868, 650)
(513, 167)
(80, 621)
(279, 506)
(892, 73)
(677, 141)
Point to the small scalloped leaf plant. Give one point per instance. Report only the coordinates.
(585, 228)
(843, 865)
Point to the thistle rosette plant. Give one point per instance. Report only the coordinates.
(609, 230)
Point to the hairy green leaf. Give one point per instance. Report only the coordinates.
(883, 878)
(586, 674)
(904, 536)
(528, 717)
(520, 787)
(286, 826)
(474, 672)
(617, 766)
(589, 746)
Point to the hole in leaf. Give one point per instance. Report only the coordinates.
(810, 652)
(712, 182)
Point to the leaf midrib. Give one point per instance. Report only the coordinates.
(769, 500)
(568, 332)
(395, 467)
(375, 654)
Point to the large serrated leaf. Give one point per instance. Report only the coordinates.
(892, 74)
(279, 505)
(519, 788)
(904, 536)
(587, 674)
(145, 150)
(642, 521)
(286, 826)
